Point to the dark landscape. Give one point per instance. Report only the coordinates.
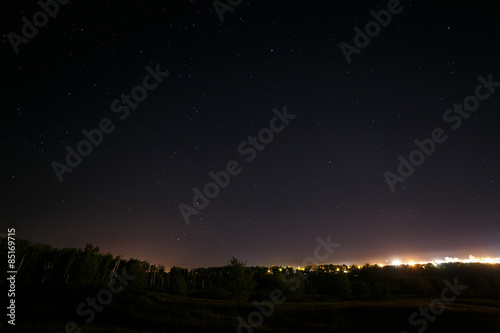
(52, 283)
(250, 166)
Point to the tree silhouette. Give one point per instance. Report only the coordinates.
(87, 264)
(241, 283)
(178, 277)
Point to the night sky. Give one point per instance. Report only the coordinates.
(322, 174)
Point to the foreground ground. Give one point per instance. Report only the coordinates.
(48, 309)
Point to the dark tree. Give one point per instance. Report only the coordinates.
(241, 283)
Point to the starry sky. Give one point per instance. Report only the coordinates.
(323, 174)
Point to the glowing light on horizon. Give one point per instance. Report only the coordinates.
(436, 262)
(397, 262)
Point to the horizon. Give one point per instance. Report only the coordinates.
(388, 261)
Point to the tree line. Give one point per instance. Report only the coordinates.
(46, 265)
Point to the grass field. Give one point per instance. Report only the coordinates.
(47, 309)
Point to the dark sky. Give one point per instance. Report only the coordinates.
(323, 174)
